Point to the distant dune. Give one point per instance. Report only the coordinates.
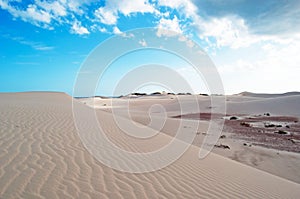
(267, 95)
(279, 105)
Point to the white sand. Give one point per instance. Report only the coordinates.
(43, 157)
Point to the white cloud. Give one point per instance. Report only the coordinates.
(32, 13)
(76, 6)
(106, 16)
(117, 31)
(42, 13)
(227, 31)
(143, 42)
(109, 13)
(168, 27)
(270, 68)
(133, 6)
(103, 30)
(55, 7)
(186, 6)
(77, 28)
(36, 14)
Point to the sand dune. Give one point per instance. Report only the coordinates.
(43, 157)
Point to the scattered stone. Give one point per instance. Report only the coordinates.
(267, 114)
(222, 136)
(287, 126)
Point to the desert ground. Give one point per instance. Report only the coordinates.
(257, 155)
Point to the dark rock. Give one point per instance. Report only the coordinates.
(203, 94)
(292, 140)
(281, 132)
(233, 118)
(222, 136)
(156, 93)
(222, 146)
(269, 125)
(245, 124)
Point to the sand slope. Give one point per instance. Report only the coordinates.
(43, 157)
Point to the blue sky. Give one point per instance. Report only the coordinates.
(254, 44)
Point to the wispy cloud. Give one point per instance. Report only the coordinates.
(35, 45)
(28, 63)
